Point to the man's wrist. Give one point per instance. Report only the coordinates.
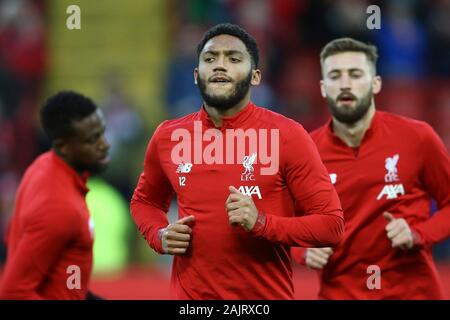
(417, 239)
(160, 238)
(260, 224)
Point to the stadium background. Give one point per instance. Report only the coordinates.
(135, 59)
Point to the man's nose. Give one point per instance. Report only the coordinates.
(345, 82)
(104, 144)
(220, 64)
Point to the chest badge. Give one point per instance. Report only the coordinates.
(248, 162)
(391, 167)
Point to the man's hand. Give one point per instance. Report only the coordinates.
(176, 236)
(399, 232)
(241, 209)
(317, 258)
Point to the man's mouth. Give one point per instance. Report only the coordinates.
(104, 159)
(346, 98)
(220, 79)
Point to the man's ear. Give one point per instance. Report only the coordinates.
(376, 84)
(322, 89)
(62, 147)
(195, 75)
(256, 77)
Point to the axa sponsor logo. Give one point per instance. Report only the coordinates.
(391, 191)
(250, 191)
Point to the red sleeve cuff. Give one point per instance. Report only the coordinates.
(260, 224)
(299, 255)
(417, 239)
(157, 241)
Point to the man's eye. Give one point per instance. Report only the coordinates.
(356, 75)
(234, 59)
(93, 139)
(209, 59)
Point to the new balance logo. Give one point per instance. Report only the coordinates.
(184, 167)
(391, 191)
(250, 190)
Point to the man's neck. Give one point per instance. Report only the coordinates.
(80, 172)
(352, 134)
(216, 115)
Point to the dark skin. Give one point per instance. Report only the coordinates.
(86, 148)
(223, 57)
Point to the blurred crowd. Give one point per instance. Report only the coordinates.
(413, 44)
(23, 58)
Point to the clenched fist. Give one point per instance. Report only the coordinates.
(176, 236)
(241, 209)
(399, 232)
(317, 258)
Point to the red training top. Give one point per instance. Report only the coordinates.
(399, 166)
(49, 239)
(225, 262)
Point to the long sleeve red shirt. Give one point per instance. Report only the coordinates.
(49, 240)
(400, 165)
(225, 262)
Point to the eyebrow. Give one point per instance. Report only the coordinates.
(226, 52)
(96, 131)
(350, 70)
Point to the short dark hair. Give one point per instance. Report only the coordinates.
(235, 31)
(61, 109)
(349, 45)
